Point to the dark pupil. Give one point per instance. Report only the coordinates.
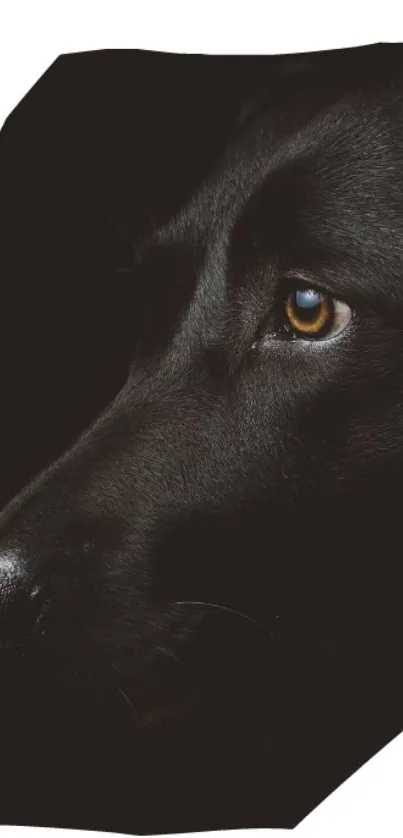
(307, 305)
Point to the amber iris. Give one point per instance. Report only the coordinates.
(309, 312)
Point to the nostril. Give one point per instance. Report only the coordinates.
(20, 599)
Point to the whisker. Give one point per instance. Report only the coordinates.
(120, 228)
(130, 704)
(265, 629)
(126, 697)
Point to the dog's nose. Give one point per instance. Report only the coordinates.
(19, 599)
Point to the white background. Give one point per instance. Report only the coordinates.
(33, 34)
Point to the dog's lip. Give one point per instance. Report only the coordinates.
(164, 713)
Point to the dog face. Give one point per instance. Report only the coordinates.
(217, 551)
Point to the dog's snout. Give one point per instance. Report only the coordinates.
(19, 598)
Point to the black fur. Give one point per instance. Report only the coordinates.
(204, 624)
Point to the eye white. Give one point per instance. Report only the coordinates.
(342, 315)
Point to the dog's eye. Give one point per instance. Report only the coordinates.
(309, 314)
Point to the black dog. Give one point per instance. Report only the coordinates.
(201, 612)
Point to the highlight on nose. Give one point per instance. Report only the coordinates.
(12, 574)
(19, 600)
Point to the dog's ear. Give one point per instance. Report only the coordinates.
(282, 76)
(327, 70)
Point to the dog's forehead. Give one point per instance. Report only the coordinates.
(328, 194)
(331, 134)
(316, 182)
(339, 159)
